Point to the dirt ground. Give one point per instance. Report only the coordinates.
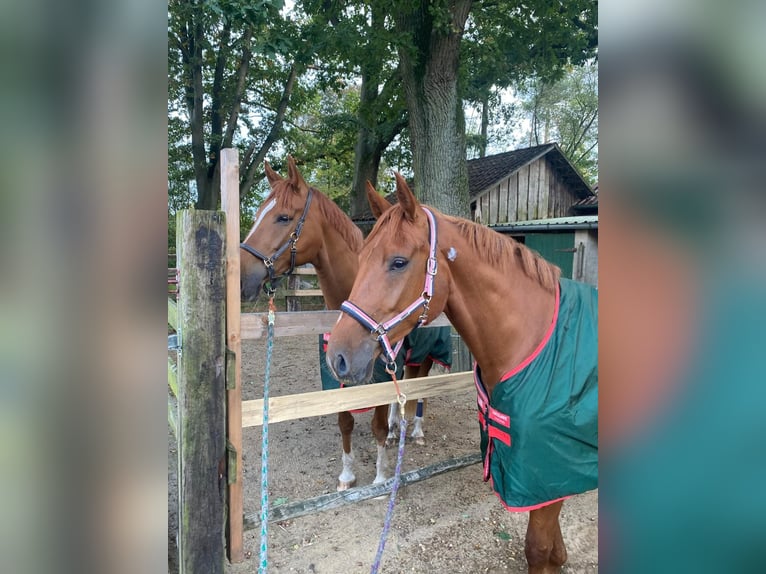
(449, 523)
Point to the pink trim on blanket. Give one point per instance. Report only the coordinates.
(542, 344)
(524, 508)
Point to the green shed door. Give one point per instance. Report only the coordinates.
(558, 248)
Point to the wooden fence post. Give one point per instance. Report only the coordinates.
(236, 502)
(293, 283)
(201, 390)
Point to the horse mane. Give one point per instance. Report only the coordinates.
(494, 248)
(333, 215)
(500, 250)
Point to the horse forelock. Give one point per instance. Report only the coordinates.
(394, 227)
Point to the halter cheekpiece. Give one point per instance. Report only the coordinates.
(381, 330)
(270, 286)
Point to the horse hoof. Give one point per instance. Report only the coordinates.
(342, 485)
(420, 441)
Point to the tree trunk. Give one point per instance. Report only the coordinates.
(484, 124)
(191, 34)
(366, 164)
(379, 124)
(437, 125)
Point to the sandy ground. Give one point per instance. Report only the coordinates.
(450, 523)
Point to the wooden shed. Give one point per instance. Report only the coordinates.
(537, 196)
(525, 184)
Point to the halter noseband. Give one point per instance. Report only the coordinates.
(270, 286)
(382, 329)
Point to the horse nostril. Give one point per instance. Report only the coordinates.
(341, 365)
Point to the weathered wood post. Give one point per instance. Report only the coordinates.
(201, 392)
(236, 501)
(293, 284)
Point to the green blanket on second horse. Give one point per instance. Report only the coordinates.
(539, 430)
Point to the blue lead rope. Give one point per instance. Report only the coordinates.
(394, 488)
(264, 562)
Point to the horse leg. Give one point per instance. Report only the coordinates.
(544, 546)
(415, 410)
(379, 431)
(393, 420)
(347, 479)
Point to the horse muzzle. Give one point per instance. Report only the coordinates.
(251, 283)
(352, 366)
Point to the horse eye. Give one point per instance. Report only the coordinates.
(398, 263)
(283, 218)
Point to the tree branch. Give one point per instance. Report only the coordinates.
(250, 169)
(239, 91)
(582, 133)
(586, 152)
(216, 99)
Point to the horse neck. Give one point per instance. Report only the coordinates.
(336, 264)
(500, 312)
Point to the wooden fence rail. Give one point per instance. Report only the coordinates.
(317, 403)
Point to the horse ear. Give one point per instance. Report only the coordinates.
(296, 179)
(406, 198)
(272, 176)
(378, 203)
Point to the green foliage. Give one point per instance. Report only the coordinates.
(566, 111)
(506, 44)
(334, 44)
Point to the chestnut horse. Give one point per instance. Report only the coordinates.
(523, 324)
(291, 230)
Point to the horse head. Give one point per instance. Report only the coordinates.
(390, 295)
(282, 235)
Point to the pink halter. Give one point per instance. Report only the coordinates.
(382, 329)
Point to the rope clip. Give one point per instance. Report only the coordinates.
(401, 398)
(272, 310)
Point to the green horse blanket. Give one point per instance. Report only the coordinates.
(539, 429)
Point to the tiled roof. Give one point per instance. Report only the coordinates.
(485, 172)
(587, 205)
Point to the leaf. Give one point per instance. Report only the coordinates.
(280, 501)
(503, 535)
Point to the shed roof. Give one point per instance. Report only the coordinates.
(550, 224)
(485, 172)
(587, 205)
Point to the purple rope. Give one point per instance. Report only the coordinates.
(394, 488)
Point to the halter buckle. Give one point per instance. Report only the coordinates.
(269, 289)
(380, 330)
(431, 266)
(268, 263)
